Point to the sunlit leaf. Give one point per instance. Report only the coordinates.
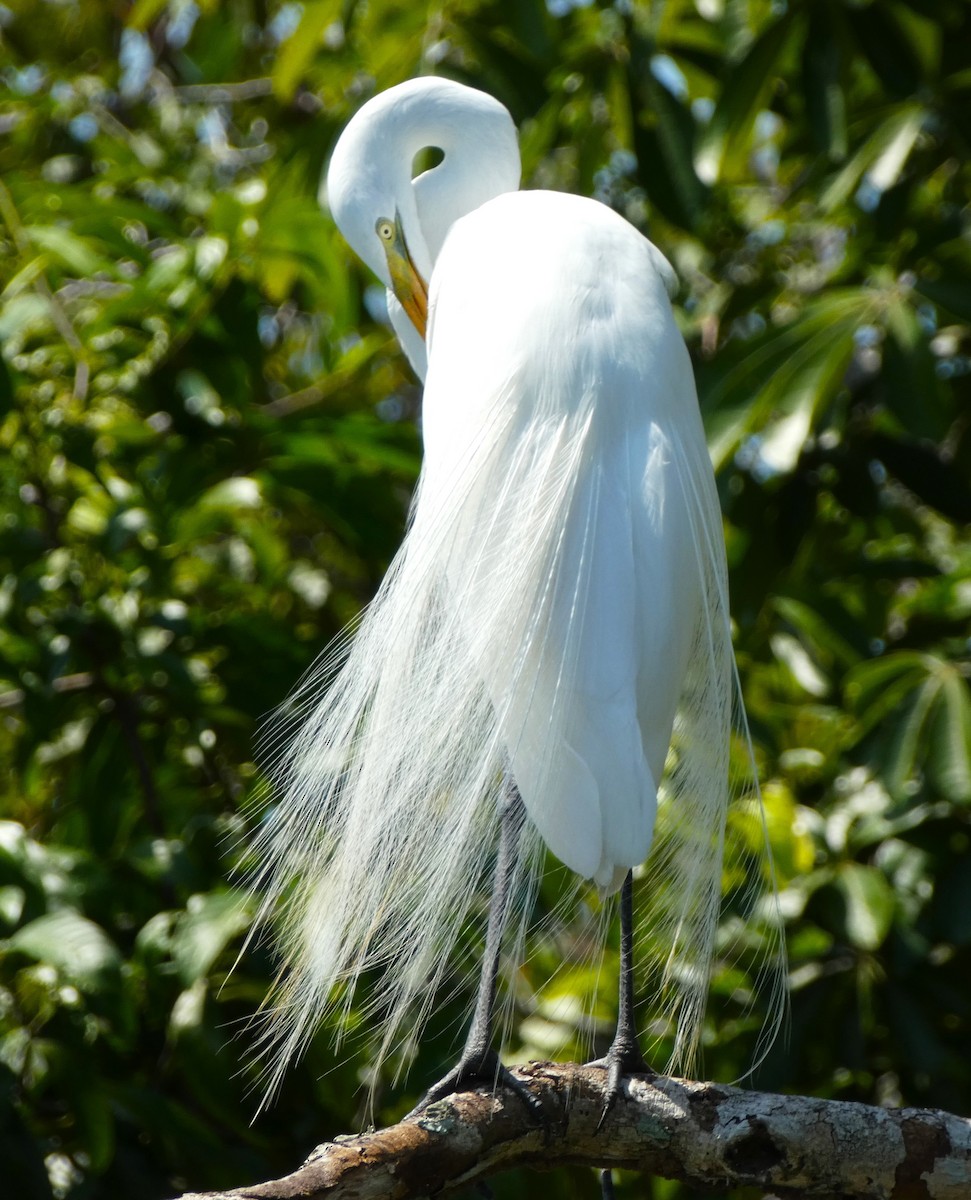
(869, 903)
(303, 44)
(240, 492)
(144, 12)
(746, 90)
(80, 950)
(814, 627)
(209, 924)
(21, 312)
(67, 248)
(802, 385)
(949, 758)
(882, 156)
(744, 394)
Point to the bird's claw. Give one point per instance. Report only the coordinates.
(620, 1061)
(478, 1071)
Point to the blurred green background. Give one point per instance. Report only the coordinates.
(208, 442)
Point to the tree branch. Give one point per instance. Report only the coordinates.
(702, 1133)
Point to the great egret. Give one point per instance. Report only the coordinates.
(557, 610)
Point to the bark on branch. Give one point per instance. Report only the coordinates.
(702, 1133)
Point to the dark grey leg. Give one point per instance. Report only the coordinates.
(478, 1044)
(479, 1063)
(624, 1056)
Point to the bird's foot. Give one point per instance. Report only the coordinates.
(622, 1059)
(478, 1069)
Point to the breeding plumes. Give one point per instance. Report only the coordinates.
(551, 641)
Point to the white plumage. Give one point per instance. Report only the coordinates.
(558, 606)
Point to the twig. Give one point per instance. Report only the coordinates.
(78, 682)
(224, 93)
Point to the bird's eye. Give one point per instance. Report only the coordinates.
(385, 230)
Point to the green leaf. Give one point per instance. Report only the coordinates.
(302, 45)
(144, 12)
(663, 138)
(825, 100)
(877, 687)
(813, 627)
(803, 385)
(24, 279)
(96, 1123)
(906, 752)
(154, 941)
(882, 156)
(950, 293)
(188, 1011)
(73, 252)
(869, 904)
(231, 495)
(20, 312)
(925, 705)
(913, 389)
(949, 751)
(210, 923)
(739, 400)
(726, 137)
(886, 45)
(805, 672)
(79, 949)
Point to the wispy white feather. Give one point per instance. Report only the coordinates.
(557, 613)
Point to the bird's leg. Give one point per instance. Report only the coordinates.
(624, 1056)
(479, 1063)
(478, 1051)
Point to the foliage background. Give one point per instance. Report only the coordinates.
(208, 445)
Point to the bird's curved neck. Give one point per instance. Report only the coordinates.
(480, 160)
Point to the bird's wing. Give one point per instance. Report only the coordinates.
(554, 390)
(541, 568)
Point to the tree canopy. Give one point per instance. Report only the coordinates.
(209, 444)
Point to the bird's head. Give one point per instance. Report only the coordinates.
(397, 223)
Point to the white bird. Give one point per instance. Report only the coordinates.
(555, 625)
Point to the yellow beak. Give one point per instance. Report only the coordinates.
(407, 284)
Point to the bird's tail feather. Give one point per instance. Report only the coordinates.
(383, 827)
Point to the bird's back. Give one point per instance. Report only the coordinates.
(558, 403)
